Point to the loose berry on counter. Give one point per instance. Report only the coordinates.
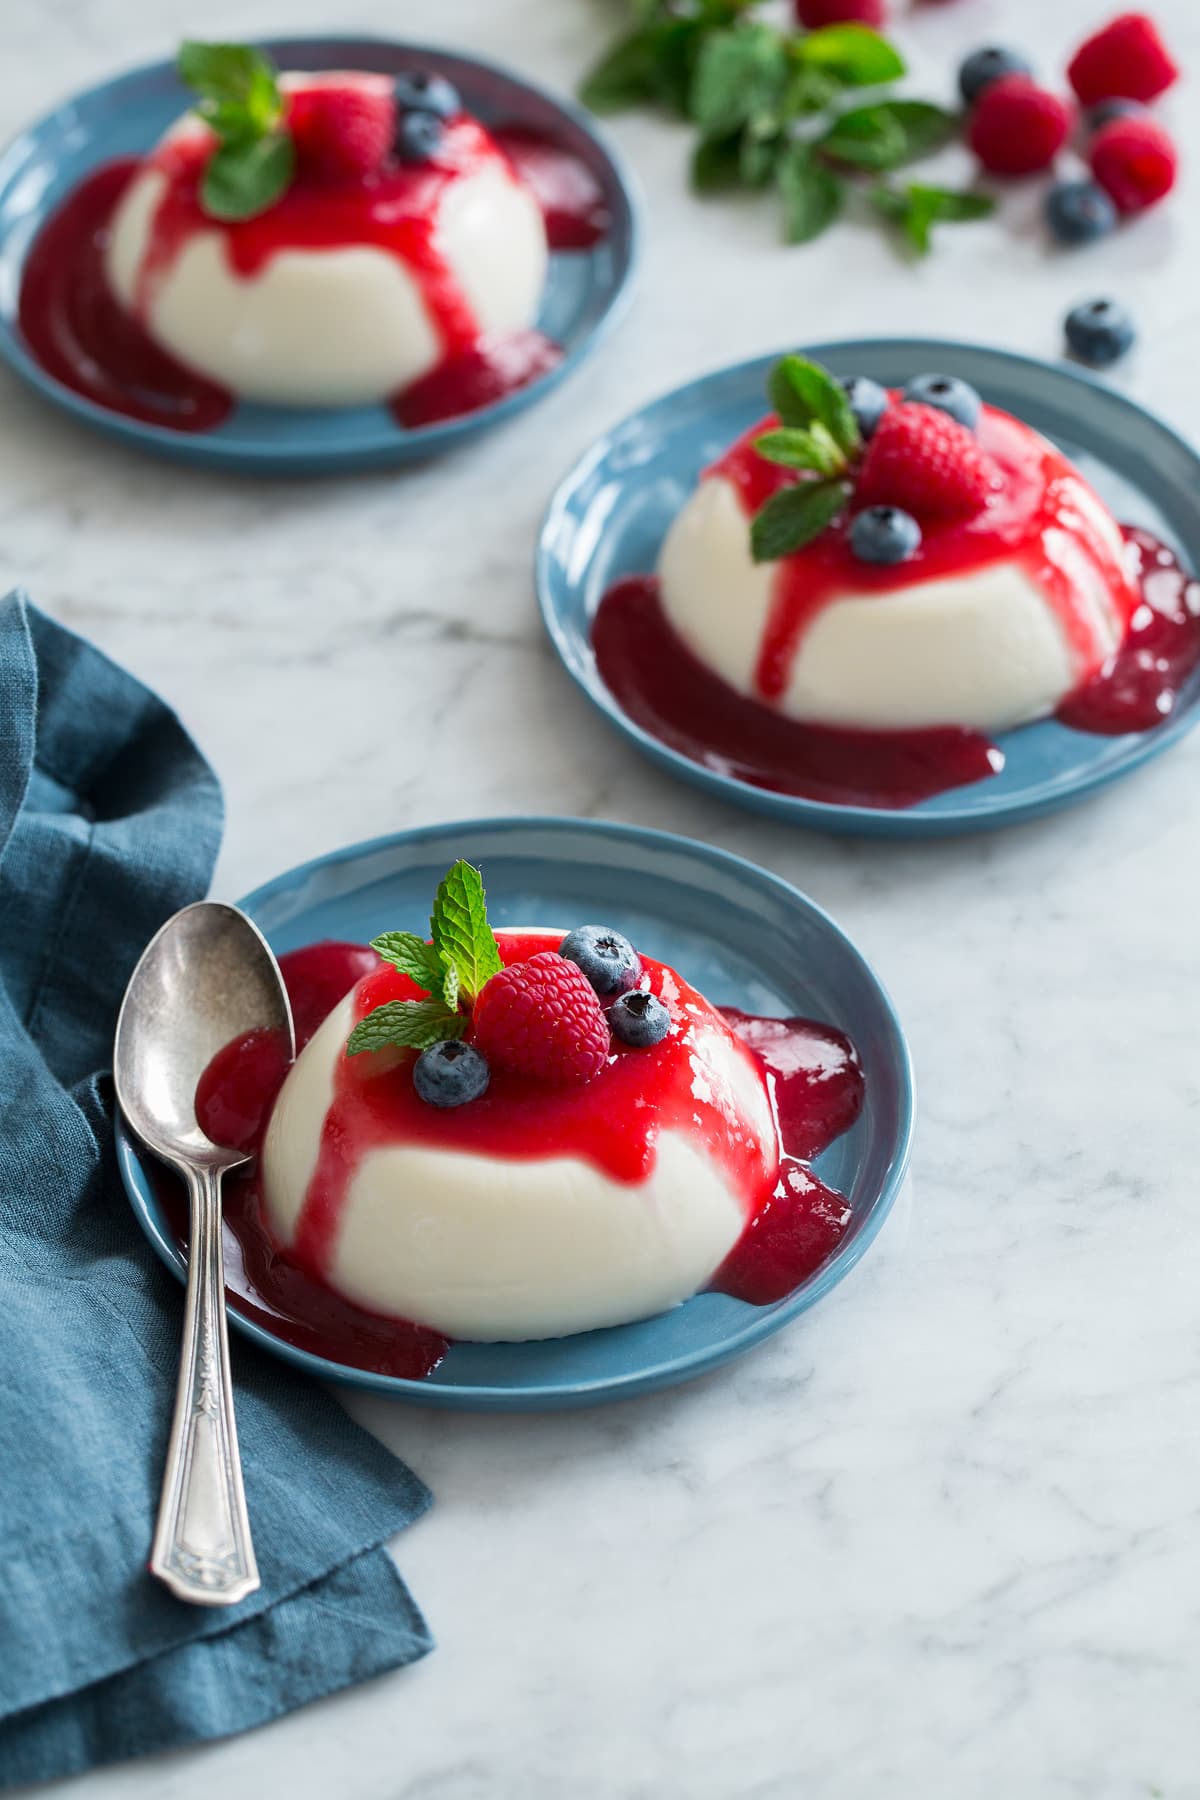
(1108, 110)
(991, 64)
(639, 1019)
(1135, 162)
(1078, 212)
(956, 398)
(1019, 128)
(608, 959)
(812, 14)
(1100, 332)
(1127, 60)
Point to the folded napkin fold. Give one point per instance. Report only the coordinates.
(109, 821)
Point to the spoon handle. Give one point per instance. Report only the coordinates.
(202, 1548)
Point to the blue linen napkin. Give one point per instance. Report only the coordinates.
(109, 821)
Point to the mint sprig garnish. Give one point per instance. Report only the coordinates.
(916, 208)
(240, 99)
(452, 969)
(770, 105)
(818, 435)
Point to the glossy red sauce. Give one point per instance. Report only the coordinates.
(1045, 516)
(793, 1220)
(80, 334)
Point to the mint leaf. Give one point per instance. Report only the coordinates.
(717, 163)
(740, 74)
(855, 54)
(794, 517)
(223, 71)
(811, 193)
(802, 392)
(927, 127)
(416, 959)
(246, 176)
(627, 74)
(462, 936)
(795, 448)
(868, 138)
(405, 1025)
(917, 208)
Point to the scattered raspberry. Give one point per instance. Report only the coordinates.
(1135, 162)
(542, 1018)
(1126, 61)
(922, 460)
(815, 13)
(1018, 128)
(341, 133)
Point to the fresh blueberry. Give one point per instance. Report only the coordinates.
(868, 402)
(609, 960)
(1100, 332)
(949, 395)
(988, 65)
(418, 135)
(1078, 212)
(639, 1019)
(884, 534)
(1108, 110)
(450, 1074)
(422, 92)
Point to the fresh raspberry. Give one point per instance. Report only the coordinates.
(925, 462)
(1018, 128)
(542, 1018)
(1135, 162)
(341, 133)
(1126, 61)
(815, 13)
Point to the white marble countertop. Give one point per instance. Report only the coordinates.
(941, 1537)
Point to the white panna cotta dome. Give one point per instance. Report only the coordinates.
(341, 326)
(993, 645)
(506, 1248)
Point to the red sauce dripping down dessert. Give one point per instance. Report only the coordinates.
(401, 261)
(867, 585)
(589, 1142)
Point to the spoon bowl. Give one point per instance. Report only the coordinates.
(207, 979)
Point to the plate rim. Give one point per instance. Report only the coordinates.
(823, 815)
(377, 446)
(761, 1323)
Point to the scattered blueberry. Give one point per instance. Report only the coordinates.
(639, 1019)
(949, 395)
(421, 92)
(988, 65)
(1108, 110)
(1078, 212)
(609, 960)
(1100, 332)
(868, 402)
(450, 1073)
(884, 534)
(418, 135)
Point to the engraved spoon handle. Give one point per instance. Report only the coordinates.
(202, 1548)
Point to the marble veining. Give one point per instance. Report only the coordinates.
(940, 1540)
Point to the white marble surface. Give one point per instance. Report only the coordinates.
(942, 1537)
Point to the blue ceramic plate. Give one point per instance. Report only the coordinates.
(610, 514)
(124, 117)
(743, 936)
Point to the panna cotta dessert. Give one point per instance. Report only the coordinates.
(310, 239)
(867, 584)
(524, 1134)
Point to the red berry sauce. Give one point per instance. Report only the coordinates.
(78, 332)
(793, 1221)
(1044, 516)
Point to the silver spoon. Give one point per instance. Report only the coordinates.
(206, 978)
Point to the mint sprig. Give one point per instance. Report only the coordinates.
(240, 99)
(818, 436)
(916, 208)
(770, 104)
(452, 969)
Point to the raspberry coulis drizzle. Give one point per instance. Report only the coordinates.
(80, 334)
(1043, 516)
(793, 1220)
